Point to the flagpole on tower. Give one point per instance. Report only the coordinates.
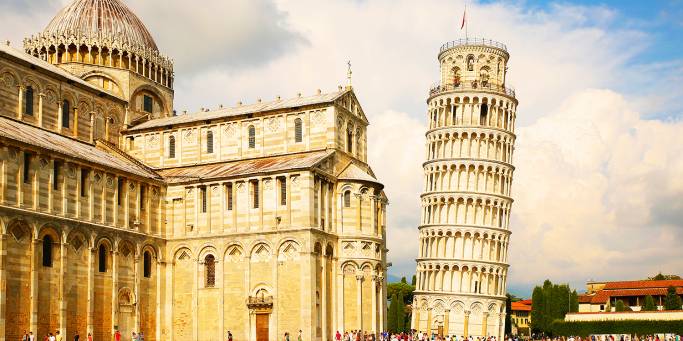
(464, 23)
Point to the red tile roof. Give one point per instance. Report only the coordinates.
(527, 302)
(643, 284)
(585, 298)
(519, 306)
(603, 295)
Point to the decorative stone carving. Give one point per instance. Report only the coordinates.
(274, 124)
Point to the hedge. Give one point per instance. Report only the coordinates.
(639, 327)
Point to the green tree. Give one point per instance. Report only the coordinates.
(508, 309)
(405, 289)
(649, 304)
(414, 281)
(392, 323)
(537, 310)
(672, 301)
(403, 280)
(661, 277)
(620, 306)
(574, 303)
(400, 314)
(551, 302)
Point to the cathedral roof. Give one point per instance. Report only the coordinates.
(242, 110)
(221, 170)
(62, 145)
(101, 20)
(354, 173)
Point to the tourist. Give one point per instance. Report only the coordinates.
(117, 335)
(25, 336)
(337, 336)
(89, 337)
(286, 336)
(58, 336)
(31, 337)
(134, 336)
(299, 338)
(77, 337)
(229, 336)
(141, 336)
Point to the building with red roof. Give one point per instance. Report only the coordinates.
(603, 296)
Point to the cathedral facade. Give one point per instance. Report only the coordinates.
(464, 233)
(118, 214)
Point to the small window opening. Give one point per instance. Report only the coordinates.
(210, 264)
(102, 258)
(147, 264)
(47, 251)
(298, 130)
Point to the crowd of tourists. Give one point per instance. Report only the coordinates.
(621, 337)
(28, 336)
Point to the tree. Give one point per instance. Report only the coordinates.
(400, 314)
(537, 310)
(661, 277)
(551, 302)
(392, 322)
(403, 280)
(672, 301)
(649, 304)
(508, 309)
(620, 306)
(414, 281)
(405, 289)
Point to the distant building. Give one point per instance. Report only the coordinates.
(603, 296)
(520, 316)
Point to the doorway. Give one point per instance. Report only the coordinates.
(262, 327)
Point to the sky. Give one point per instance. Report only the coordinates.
(598, 185)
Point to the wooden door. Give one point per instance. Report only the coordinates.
(262, 327)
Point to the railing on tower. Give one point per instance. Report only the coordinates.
(473, 41)
(437, 88)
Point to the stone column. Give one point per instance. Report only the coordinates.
(429, 322)
(20, 103)
(34, 286)
(374, 305)
(114, 288)
(416, 316)
(467, 322)
(446, 321)
(340, 297)
(40, 109)
(359, 299)
(3, 281)
(91, 288)
(62, 288)
(75, 131)
(92, 127)
(382, 303)
(484, 324)
(323, 297)
(136, 268)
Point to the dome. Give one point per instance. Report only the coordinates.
(101, 19)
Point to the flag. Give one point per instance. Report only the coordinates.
(464, 14)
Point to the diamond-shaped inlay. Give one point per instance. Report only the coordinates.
(18, 233)
(77, 243)
(125, 251)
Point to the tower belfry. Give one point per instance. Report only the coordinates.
(464, 230)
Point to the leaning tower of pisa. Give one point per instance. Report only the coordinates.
(464, 231)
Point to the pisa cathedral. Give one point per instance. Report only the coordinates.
(118, 214)
(464, 232)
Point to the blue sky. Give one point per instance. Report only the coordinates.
(597, 187)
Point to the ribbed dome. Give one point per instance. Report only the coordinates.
(97, 19)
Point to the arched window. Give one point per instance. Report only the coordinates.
(102, 258)
(209, 142)
(483, 113)
(147, 264)
(252, 137)
(298, 134)
(28, 101)
(347, 199)
(47, 251)
(210, 265)
(171, 147)
(470, 63)
(349, 141)
(66, 113)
